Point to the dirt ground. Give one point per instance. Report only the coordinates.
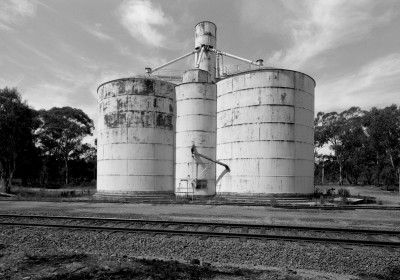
(267, 215)
(383, 196)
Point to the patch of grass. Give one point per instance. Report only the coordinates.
(293, 277)
(273, 202)
(52, 195)
(392, 274)
(150, 269)
(317, 193)
(53, 259)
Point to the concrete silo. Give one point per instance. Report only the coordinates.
(135, 136)
(265, 132)
(196, 127)
(248, 132)
(196, 124)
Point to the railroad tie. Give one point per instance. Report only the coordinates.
(347, 247)
(393, 238)
(165, 226)
(195, 227)
(179, 227)
(244, 230)
(373, 238)
(211, 229)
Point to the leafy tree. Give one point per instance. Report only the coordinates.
(344, 134)
(83, 164)
(329, 128)
(17, 122)
(383, 127)
(353, 142)
(61, 133)
(324, 169)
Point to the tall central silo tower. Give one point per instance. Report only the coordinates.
(196, 123)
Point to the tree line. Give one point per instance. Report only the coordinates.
(43, 147)
(364, 145)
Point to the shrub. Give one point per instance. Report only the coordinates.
(317, 193)
(343, 193)
(322, 199)
(343, 200)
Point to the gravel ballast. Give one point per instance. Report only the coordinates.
(214, 251)
(287, 258)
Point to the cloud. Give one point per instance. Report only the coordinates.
(96, 31)
(318, 26)
(143, 21)
(375, 84)
(14, 11)
(11, 82)
(33, 50)
(56, 95)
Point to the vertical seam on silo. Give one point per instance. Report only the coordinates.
(295, 136)
(127, 144)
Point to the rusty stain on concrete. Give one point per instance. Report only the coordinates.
(283, 96)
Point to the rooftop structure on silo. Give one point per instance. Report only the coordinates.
(207, 57)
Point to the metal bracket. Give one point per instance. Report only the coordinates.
(200, 56)
(258, 62)
(149, 70)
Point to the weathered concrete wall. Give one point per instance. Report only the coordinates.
(196, 102)
(136, 136)
(265, 132)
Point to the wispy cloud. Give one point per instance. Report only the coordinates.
(143, 20)
(34, 50)
(96, 30)
(11, 81)
(55, 94)
(68, 84)
(375, 84)
(13, 11)
(319, 26)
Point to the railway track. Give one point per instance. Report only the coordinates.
(340, 236)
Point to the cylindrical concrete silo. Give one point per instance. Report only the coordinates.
(206, 36)
(265, 132)
(135, 136)
(196, 102)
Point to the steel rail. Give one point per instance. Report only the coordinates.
(214, 234)
(216, 224)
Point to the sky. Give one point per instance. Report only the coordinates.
(58, 52)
